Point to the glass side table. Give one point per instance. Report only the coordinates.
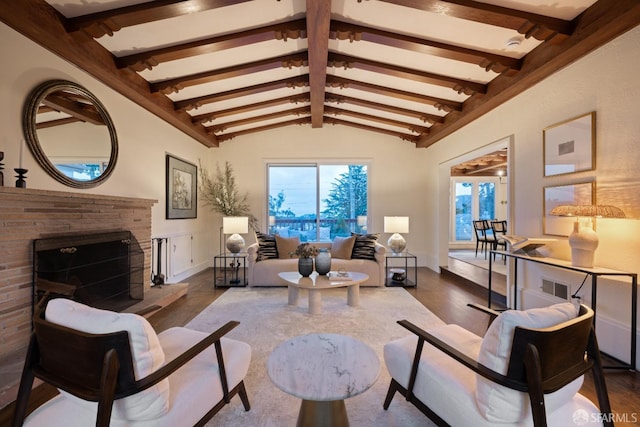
(229, 270)
(400, 262)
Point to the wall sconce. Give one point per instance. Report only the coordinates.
(396, 225)
(584, 240)
(500, 175)
(235, 225)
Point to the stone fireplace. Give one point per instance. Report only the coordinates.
(27, 215)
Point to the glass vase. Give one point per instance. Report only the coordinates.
(323, 262)
(305, 266)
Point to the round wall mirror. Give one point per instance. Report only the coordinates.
(70, 133)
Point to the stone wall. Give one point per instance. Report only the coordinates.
(27, 214)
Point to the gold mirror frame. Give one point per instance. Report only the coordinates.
(29, 125)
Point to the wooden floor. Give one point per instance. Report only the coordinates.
(446, 295)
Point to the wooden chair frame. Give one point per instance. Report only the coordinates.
(536, 366)
(99, 367)
(483, 240)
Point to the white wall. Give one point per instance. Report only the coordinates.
(606, 82)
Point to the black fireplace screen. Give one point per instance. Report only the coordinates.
(104, 270)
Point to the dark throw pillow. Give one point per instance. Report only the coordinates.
(365, 246)
(267, 248)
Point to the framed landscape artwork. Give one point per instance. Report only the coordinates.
(571, 194)
(570, 146)
(182, 185)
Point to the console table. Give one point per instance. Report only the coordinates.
(594, 272)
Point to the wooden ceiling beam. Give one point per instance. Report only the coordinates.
(151, 58)
(318, 19)
(98, 24)
(294, 99)
(439, 103)
(540, 27)
(598, 25)
(300, 111)
(460, 86)
(425, 117)
(488, 61)
(168, 86)
(403, 136)
(193, 103)
(40, 22)
(228, 136)
(358, 115)
(81, 110)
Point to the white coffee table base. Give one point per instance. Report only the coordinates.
(315, 284)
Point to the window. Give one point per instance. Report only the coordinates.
(317, 202)
(472, 199)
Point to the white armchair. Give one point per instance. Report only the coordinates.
(113, 370)
(526, 371)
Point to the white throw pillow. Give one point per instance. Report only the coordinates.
(503, 405)
(147, 354)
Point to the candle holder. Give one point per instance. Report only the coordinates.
(1, 168)
(20, 182)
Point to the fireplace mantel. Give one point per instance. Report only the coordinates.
(27, 214)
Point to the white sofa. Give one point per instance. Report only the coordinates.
(265, 272)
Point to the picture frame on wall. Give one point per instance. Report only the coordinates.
(182, 189)
(582, 193)
(569, 146)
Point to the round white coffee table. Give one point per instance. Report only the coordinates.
(323, 370)
(316, 283)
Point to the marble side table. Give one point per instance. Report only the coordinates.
(323, 370)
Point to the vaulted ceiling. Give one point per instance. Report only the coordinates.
(414, 69)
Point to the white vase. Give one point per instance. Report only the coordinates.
(583, 242)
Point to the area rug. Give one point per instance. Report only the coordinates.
(266, 321)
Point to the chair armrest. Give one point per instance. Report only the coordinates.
(178, 362)
(486, 310)
(474, 365)
(252, 253)
(379, 252)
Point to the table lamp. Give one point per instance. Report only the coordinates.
(584, 240)
(235, 225)
(396, 225)
(361, 220)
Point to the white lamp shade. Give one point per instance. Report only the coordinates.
(361, 220)
(235, 224)
(396, 224)
(272, 220)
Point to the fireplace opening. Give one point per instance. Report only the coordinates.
(104, 270)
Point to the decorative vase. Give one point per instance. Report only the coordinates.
(323, 262)
(305, 266)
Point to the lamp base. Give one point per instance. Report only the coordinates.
(583, 242)
(396, 243)
(235, 243)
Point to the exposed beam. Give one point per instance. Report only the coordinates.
(540, 27)
(488, 61)
(40, 22)
(58, 122)
(98, 24)
(358, 115)
(80, 110)
(439, 103)
(291, 82)
(151, 58)
(403, 136)
(598, 25)
(425, 117)
(318, 19)
(300, 111)
(228, 136)
(293, 99)
(175, 85)
(461, 86)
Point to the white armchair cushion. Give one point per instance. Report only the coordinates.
(147, 354)
(503, 405)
